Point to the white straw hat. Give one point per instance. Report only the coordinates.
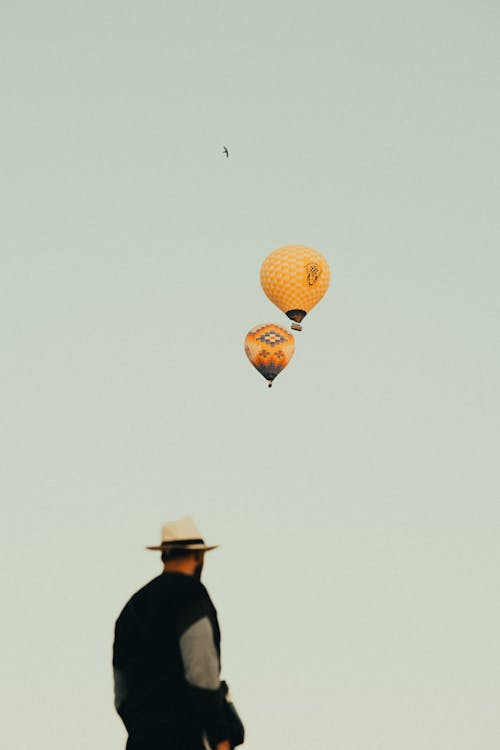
(182, 534)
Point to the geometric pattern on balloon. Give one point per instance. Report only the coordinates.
(269, 347)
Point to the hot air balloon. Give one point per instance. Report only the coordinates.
(269, 348)
(295, 278)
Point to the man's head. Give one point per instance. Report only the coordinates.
(182, 547)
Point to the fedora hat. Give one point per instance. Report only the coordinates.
(182, 534)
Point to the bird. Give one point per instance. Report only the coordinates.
(226, 152)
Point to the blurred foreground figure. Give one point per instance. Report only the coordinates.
(166, 656)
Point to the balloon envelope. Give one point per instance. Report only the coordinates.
(295, 278)
(269, 348)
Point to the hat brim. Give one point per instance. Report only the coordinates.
(194, 547)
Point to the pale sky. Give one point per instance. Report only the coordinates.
(356, 502)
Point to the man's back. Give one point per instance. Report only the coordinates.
(153, 635)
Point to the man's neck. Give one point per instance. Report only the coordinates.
(181, 565)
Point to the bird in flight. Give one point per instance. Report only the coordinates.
(226, 152)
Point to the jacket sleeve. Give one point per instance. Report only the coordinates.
(201, 662)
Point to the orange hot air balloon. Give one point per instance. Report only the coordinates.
(269, 348)
(295, 278)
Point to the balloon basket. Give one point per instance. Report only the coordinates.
(296, 327)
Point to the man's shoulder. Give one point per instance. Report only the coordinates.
(168, 587)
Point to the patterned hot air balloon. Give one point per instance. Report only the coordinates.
(295, 278)
(269, 348)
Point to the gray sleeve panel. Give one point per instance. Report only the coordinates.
(199, 655)
(121, 687)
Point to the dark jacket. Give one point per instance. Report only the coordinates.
(166, 662)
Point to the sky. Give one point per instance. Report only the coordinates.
(355, 502)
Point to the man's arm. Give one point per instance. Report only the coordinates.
(202, 672)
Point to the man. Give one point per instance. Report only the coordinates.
(166, 654)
